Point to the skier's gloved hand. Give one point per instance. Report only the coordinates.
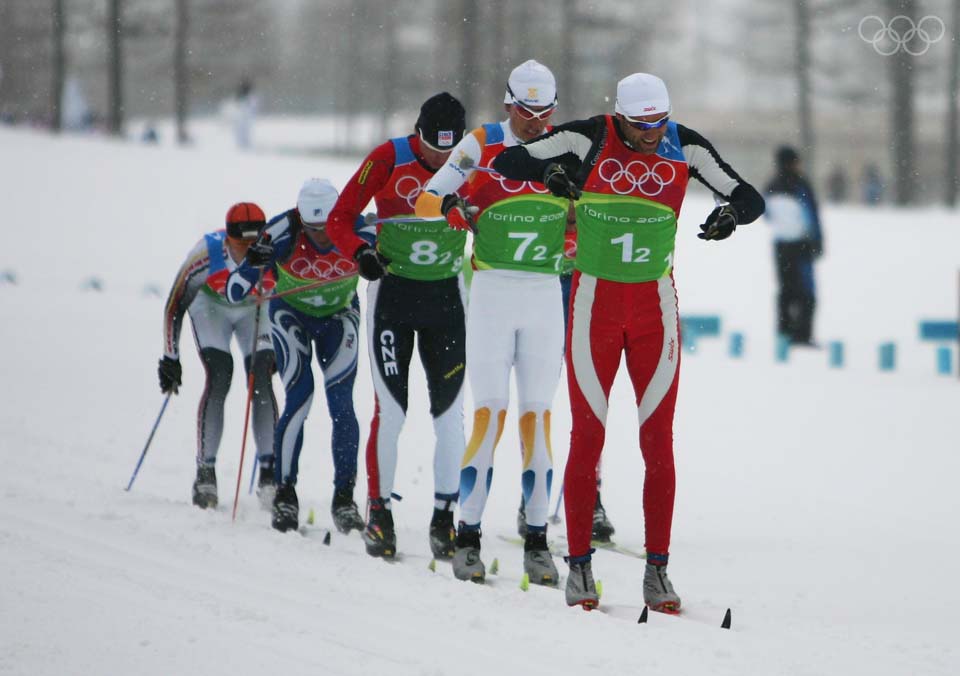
(556, 179)
(372, 263)
(458, 213)
(260, 252)
(169, 372)
(720, 224)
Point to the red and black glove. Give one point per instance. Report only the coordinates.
(458, 213)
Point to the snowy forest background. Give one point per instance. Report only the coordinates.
(753, 75)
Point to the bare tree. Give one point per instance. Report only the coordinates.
(59, 68)
(115, 66)
(801, 67)
(902, 115)
(181, 93)
(952, 171)
(567, 80)
(469, 63)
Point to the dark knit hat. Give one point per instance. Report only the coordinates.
(442, 121)
(786, 156)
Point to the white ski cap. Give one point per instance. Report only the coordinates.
(642, 94)
(316, 200)
(532, 84)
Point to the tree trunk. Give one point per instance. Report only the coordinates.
(952, 171)
(469, 63)
(115, 65)
(567, 82)
(59, 68)
(802, 73)
(180, 87)
(902, 113)
(391, 68)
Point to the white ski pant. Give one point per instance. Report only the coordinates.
(513, 323)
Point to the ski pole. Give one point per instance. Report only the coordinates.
(246, 415)
(555, 517)
(166, 400)
(253, 472)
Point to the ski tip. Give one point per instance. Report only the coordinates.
(432, 565)
(643, 616)
(726, 620)
(495, 566)
(599, 588)
(525, 582)
(326, 538)
(311, 517)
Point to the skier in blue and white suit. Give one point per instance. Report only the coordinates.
(316, 304)
(798, 241)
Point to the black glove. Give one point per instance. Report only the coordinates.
(720, 224)
(372, 263)
(557, 181)
(260, 252)
(169, 372)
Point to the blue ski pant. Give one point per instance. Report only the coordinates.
(335, 339)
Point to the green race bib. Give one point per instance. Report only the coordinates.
(522, 233)
(424, 250)
(321, 301)
(624, 239)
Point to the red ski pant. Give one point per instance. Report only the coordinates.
(608, 319)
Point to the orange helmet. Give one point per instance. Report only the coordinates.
(245, 220)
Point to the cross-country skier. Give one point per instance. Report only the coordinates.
(199, 289)
(415, 290)
(316, 306)
(512, 322)
(603, 529)
(628, 173)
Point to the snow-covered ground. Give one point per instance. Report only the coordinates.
(816, 503)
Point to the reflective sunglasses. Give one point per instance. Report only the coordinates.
(528, 114)
(640, 124)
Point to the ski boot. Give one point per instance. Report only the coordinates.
(286, 508)
(581, 589)
(522, 520)
(537, 562)
(205, 487)
(379, 537)
(466, 559)
(266, 486)
(442, 534)
(346, 516)
(602, 528)
(658, 592)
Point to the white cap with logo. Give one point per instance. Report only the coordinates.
(532, 84)
(316, 200)
(642, 94)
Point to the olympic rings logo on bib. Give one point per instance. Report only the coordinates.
(307, 268)
(901, 33)
(637, 175)
(411, 195)
(513, 187)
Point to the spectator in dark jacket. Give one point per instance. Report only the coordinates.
(798, 241)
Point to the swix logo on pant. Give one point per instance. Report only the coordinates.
(388, 353)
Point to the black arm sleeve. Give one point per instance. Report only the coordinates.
(569, 144)
(709, 168)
